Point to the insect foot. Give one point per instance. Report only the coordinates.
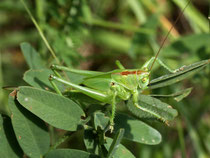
(111, 127)
(53, 67)
(51, 77)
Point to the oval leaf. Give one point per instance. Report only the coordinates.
(32, 57)
(56, 110)
(30, 131)
(39, 79)
(136, 130)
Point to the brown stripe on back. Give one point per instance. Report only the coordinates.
(130, 72)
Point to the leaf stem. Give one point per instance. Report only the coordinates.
(40, 32)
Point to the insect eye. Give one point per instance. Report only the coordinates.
(112, 83)
(144, 79)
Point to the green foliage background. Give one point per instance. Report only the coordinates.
(92, 34)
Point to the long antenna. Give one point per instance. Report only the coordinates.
(163, 42)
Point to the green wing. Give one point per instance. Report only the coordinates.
(100, 82)
(103, 81)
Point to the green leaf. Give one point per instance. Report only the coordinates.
(86, 12)
(121, 152)
(149, 107)
(30, 131)
(32, 58)
(183, 73)
(136, 130)
(69, 153)
(56, 110)
(40, 79)
(191, 43)
(100, 120)
(90, 142)
(115, 143)
(9, 147)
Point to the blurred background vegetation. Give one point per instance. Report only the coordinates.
(92, 34)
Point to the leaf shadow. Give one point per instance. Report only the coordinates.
(121, 121)
(10, 136)
(42, 84)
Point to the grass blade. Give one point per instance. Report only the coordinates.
(40, 32)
